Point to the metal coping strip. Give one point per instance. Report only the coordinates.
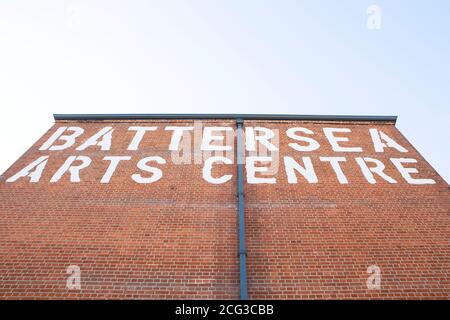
(187, 116)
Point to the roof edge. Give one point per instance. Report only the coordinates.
(193, 116)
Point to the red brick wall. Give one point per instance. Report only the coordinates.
(177, 237)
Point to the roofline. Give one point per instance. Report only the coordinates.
(193, 116)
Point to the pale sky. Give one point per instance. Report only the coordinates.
(217, 56)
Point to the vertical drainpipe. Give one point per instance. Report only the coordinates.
(240, 195)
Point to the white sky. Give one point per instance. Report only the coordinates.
(247, 56)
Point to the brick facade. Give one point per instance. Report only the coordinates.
(178, 237)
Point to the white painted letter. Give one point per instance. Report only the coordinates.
(208, 137)
(251, 170)
(207, 170)
(312, 144)
(69, 139)
(105, 134)
(35, 175)
(378, 169)
(114, 161)
(307, 171)
(406, 172)
(176, 136)
(74, 170)
(142, 164)
(140, 131)
(378, 136)
(334, 141)
(251, 138)
(336, 167)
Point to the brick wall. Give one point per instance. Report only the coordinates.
(177, 237)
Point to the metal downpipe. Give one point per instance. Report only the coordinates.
(243, 292)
